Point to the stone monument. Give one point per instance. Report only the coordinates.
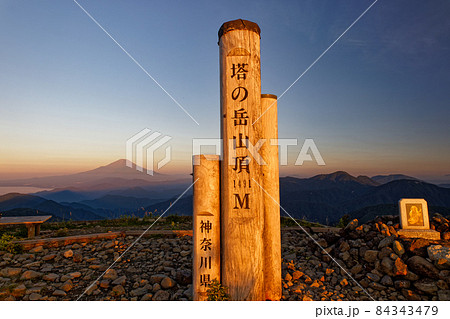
(414, 219)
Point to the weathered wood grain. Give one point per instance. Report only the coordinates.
(268, 126)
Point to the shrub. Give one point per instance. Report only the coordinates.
(217, 292)
(343, 221)
(7, 244)
(62, 232)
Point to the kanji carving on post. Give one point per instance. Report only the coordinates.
(242, 164)
(205, 226)
(239, 92)
(240, 117)
(239, 71)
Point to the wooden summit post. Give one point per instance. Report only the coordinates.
(244, 200)
(206, 223)
(242, 213)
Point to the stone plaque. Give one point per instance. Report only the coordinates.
(414, 219)
(414, 213)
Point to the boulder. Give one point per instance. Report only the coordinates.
(161, 295)
(156, 278)
(410, 295)
(59, 293)
(386, 242)
(419, 247)
(400, 268)
(67, 286)
(351, 225)
(401, 284)
(110, 274)
(426, 285)
(168, 283)
(444, 295)
(118, 290)
(440, 255)
(184, 277)
(34, 296)
(423, 267)
(356, 269)
(147, 297)
(19, 291)
(68, 253)
(411, 276)
(344, 246)
(398, 248)
(120, 281)
(297, 274)
(49, 257)
(10, 272)
(30, 275)
(50, 277)
(139, 292)
(373, 277)
(77, 257)
(36, 249)
(387, 266)
(371, 256)
(386, 281)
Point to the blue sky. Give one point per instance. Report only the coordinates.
(377, 102)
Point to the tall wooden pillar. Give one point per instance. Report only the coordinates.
(206, 223)
(268, 126)
(242, 213)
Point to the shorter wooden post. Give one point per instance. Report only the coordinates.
(206, 223)
(37, 230)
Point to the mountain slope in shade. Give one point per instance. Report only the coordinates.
(118, 203)
(63, 195)
(183, 207)
(383, 179)
(392, 192)
(12, 201)
(15, 200)
(325, 198)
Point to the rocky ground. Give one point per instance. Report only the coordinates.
(384, 266)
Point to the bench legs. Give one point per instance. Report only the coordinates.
(33, 230)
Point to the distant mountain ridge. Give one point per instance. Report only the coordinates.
(325, 198)
(383, 179)
(115, 189)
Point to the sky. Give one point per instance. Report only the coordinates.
(376, 103)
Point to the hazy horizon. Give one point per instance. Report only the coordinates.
(433, 179)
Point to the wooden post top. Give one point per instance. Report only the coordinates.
(239, 24)
(268, 96)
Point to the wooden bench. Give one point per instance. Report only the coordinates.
(33, 223)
